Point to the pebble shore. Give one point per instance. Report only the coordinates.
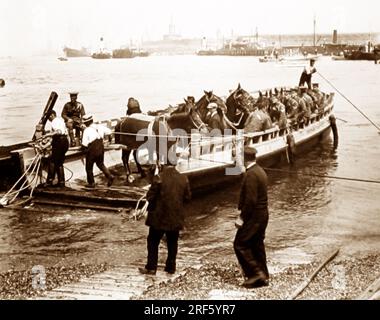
(340, 279)
(218, 279)
(19, 284)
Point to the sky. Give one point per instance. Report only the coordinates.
(36, 26)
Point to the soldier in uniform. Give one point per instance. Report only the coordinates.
(73, 113)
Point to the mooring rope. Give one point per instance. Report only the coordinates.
(322, 176)
(361, 112)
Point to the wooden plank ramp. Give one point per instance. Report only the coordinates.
(119, 283)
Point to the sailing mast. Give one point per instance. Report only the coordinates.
(314, 39)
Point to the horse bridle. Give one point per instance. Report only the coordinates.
(195, 125)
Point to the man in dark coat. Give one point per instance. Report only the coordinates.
(249, 240)
(165, 216)
(133, 106)
(213, 119)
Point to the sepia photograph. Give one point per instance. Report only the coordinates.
(195, 150)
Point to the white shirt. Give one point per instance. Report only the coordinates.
(310, 69)
(93, 132)
(59, 126)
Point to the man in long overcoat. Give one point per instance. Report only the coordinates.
(249, 240)
(166, 216)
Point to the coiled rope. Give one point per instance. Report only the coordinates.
(32, 170)
(361, 112)
(42, 148)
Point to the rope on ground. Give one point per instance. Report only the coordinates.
(361, 112)
(305, 284)
(322, 176)
(139, 213)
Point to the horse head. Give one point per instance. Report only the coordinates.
(187, 121)
(239, 106)
(262, 103)
(185, 107)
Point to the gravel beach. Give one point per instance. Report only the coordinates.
(19, 284)
(343, 278)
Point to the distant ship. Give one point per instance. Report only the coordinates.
(364, 54)
(128, 53)
(101, 55)
(74, 53)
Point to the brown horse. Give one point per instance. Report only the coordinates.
(134, 132)
(239, 105)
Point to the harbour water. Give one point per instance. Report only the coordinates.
(307, 213)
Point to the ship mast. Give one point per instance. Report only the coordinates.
(314, 39)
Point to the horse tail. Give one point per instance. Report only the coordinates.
(117, 132)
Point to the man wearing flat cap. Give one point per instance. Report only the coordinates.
(307, 73)
(252, 223)
(73, 113)
(213, 118)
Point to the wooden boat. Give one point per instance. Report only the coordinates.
(272, 57)
(74, 53)
(208, 161)
(338, 58)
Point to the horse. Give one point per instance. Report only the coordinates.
(127, 131)
(184, 107)
(180, 108)
(239, 105)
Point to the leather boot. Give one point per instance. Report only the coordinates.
(61, 177)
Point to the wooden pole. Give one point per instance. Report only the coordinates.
(305, 284)
(78, 205)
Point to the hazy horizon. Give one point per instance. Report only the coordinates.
(41, 26)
